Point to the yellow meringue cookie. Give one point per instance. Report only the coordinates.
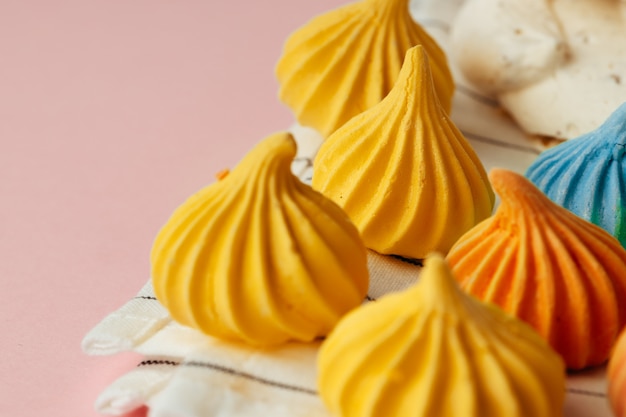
(403, 172)
(433, 350)
(345, 61)
(259, 256)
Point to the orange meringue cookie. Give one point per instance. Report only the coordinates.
(345, 61)
(561, 274)
(403, 171)
(616, 376)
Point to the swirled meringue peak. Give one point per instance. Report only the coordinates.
(259, 256)
(433, 350)
(587, 175)
(563, 275)
(347, 60)
(403, 172)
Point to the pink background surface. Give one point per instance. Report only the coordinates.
(111, 114)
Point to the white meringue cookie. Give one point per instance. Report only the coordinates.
(558, 66)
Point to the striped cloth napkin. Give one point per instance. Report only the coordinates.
(187, 374)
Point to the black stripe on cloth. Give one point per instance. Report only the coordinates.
(151, 362)
(261, 380)
(145, 297)
(416, 262)
(368, 298)
(586, 392)
(496, 142)
(264, 381)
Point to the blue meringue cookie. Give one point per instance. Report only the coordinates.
(587, 175)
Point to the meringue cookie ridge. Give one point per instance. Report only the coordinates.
(259, 256)
(587, 175)
(403, 171)
(561, 274)
(345, 61)
(434, 350)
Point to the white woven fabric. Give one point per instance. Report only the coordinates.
(187, 374)
(127, 327)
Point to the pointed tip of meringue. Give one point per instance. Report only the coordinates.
(509, 184)
(613, 130)
(279, 144)
(498, 176)
(416, 58)
(416, 75)
(501, 179)
(437, 275)
(619, 115)
(278, 148)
